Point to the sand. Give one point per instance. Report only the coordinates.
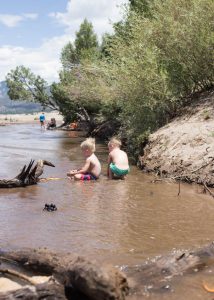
(29, 118)
(184, 148)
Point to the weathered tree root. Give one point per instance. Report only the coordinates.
(75, 274)
(27, 176)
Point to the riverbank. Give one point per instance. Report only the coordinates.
(183, 149)
(29, 118)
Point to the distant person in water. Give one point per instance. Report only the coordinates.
(73, 125)
(118, 164)
(42, 120)
(52, 123)
(92, 168)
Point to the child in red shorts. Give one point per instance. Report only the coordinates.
(92, 167)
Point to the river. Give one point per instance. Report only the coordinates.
(121, 222)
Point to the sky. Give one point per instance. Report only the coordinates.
(33, 32)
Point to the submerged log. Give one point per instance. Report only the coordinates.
(77, 277)
(29, 175)
(161, 274)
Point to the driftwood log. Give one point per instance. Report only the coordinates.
(72, 277)
(29, 175)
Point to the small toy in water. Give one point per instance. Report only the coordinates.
(50, 207)
(208, 288)
(49, 179)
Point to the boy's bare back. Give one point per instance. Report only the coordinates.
(119, 158)
(95, 166)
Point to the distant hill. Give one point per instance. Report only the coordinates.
(8, 106)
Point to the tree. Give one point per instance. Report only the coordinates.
(143, 7)
(85, 47)
(65, 96)
(24, 85)
(105, 45)
(69, 56)
(86, 43)
(79, 98)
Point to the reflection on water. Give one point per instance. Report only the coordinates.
(123, 222)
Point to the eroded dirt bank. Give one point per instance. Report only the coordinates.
(184, 148)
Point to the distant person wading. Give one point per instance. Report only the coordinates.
(42, 120)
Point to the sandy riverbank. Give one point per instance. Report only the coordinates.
(29, 118)
(183, 149)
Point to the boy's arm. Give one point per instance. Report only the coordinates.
(84, 169)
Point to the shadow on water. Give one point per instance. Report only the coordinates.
(122, 222)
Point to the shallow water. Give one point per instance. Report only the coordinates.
(121, 222)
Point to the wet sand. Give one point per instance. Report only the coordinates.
(29, 118)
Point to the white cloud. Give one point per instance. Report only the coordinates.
(100, 12)
(31, 16)
(14, 20)
(10, 20)
(43, 61)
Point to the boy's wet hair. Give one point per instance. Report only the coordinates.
(115, 141)
(89, 143)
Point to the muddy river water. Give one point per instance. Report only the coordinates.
(121, 222)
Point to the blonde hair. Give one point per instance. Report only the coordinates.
(89, 143)
(115, 141)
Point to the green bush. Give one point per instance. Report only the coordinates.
(162, 60)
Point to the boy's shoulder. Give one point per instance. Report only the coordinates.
(116, 151)
(91, 157)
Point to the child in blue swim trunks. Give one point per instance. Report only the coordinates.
(118, 163)
(92, 167)
(42, 120)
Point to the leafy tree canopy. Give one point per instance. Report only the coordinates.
(69, 57)
(86, 39)
(85, 47)
(24, 85)
(143, 7)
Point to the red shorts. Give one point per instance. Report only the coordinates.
(88, 176)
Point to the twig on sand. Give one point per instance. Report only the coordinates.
(17, 274)
(203, 166)
(156, 179)
(206, 188)
(179, 187)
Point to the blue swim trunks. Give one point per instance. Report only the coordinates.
(88, 176)
(118, 172)
(42, 118)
